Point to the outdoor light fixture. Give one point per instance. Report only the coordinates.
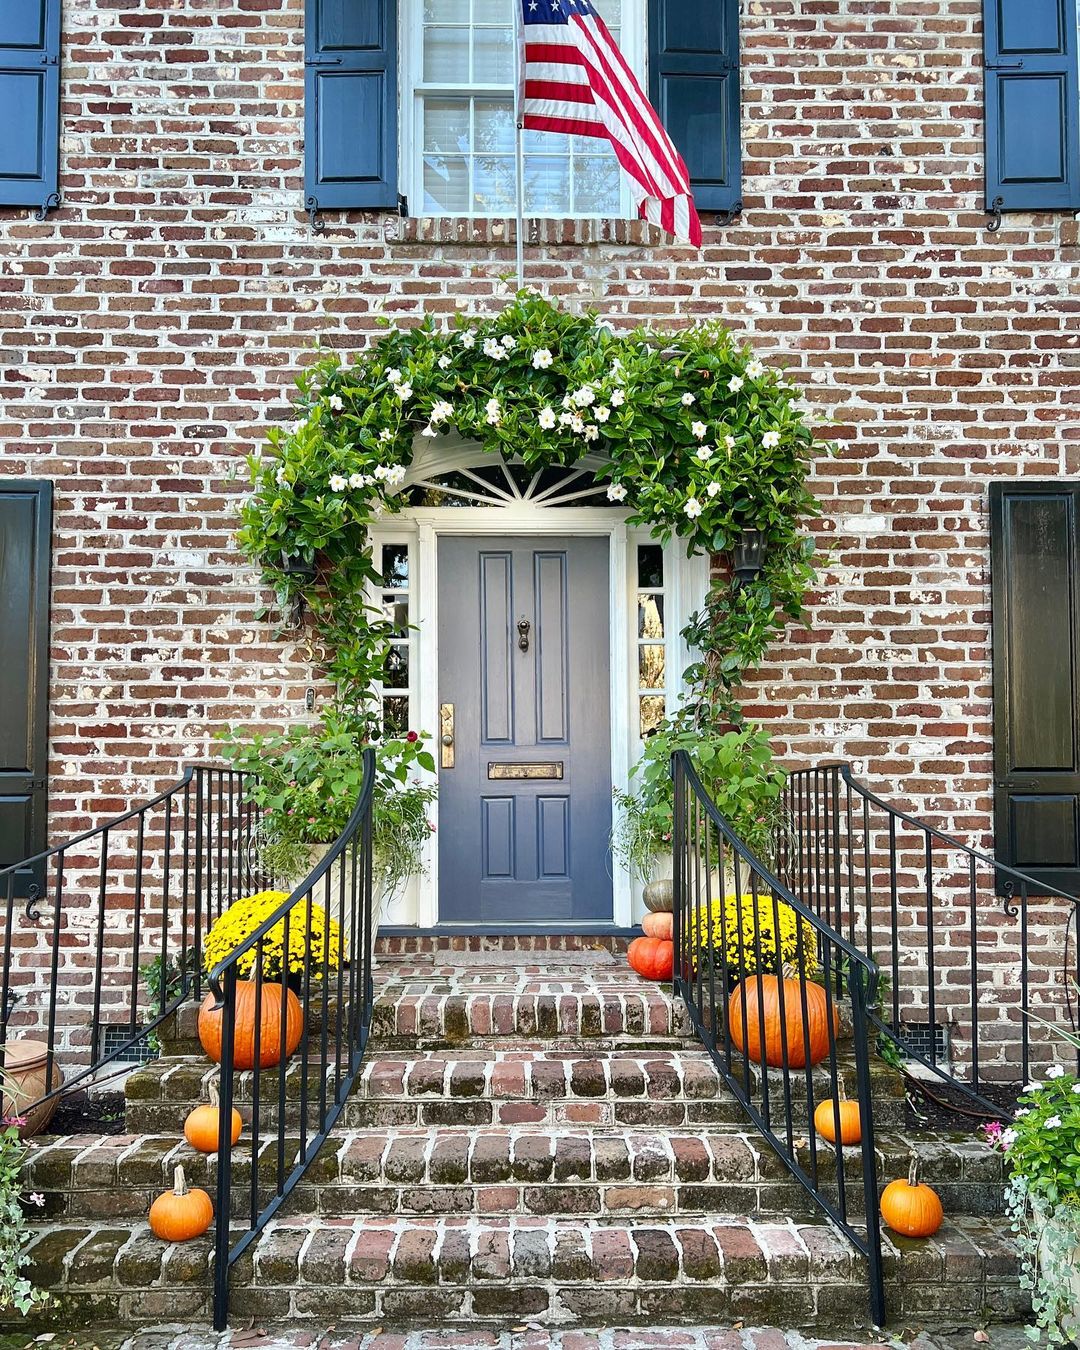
(748, 556)
(295, 566)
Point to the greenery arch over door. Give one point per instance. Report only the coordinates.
(702, 441)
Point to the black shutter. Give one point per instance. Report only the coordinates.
(1032, 105)
(30, 103)
(1034, 538)
(351, 97)
(25, 549)
(694, 86)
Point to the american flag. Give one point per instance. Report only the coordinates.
(576, 81)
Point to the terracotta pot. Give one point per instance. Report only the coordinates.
(24, 1083)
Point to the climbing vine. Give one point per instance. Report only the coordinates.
(702, 440)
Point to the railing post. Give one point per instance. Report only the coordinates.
(224, 1154)
(678, 842)
(857, 991)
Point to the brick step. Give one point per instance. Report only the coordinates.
(503, 1171)
(555, 1271)
(661, 1088)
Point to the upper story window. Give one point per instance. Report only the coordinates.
(458, 132)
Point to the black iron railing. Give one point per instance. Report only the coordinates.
(781, 1001)
(332, 979)
(107, 936)
(974, 955)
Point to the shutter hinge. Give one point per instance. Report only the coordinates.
(50, 59)
(323, 61)
(1003, 65)
(402, 205)
(311, 205)
(38, 784)
(994, 210)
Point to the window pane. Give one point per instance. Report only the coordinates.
(650, 666)
(651, 708)
(493, 121)
(446, 11)
(395, 716)
(396, 667)
(395, 564)
(493, 56)
(494, 186)
(494, 11)
(547, 183)
(396, 613)
(446, 125)
(596, 184)
(650, 565)
(446, 184)
(446, 55)
(651, 616)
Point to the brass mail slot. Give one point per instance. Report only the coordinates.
(553, 770)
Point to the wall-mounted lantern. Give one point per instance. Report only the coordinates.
(748, 556)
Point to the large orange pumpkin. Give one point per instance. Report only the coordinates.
(850, 1121)
(658, 925)
(651, 957)
(210, 1019)
(763, 1022)
(181, 1214)
(911, 1208)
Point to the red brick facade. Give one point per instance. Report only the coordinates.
(150, 331)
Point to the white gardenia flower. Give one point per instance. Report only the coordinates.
(755, 369)
(601, 412)
(771, 440)
(547, 418)
(618, 398)
(1076, 1088)
(429, 430)
(699, 429)
(494, 349)
(591, 432)
(542, 358)
(382, 473)
(1053, 1122)
(1055, 1071)
(337, 483)
(404, 392)
(616, 493)
(1008, 1138)
(281, 477)
(494, 412)
(395, 475)
(735, 383)
(468, 338)
(335, 402)
(577, 425)
(713, 489)
(565, 418)
(356, 480)
(445, 362)
(442, 410)
(394, 376)
(687, 400)
(705, 453)
(585, 395)
(729, 443)
(509, 341)
(693, 508)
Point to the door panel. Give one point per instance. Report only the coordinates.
(525, 811)
(25, 528)
(1036, 613)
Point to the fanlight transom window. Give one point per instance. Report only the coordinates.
(464, 474)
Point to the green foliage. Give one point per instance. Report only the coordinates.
(703, 440)
(16, 1291)
(737, 770)
(305, 781)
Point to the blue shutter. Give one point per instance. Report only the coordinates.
(1032, 105)
(350, 91)
(694, 86)
(30, 103)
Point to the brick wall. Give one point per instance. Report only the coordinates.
(150, 331)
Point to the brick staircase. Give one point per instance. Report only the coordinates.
(534, 1138)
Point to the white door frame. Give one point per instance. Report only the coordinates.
(686, 582)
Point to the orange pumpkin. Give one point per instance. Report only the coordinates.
(210, 1019)
(651, 957)
(201, 1129)
(911, 1208)
(181, 1214)
(659, 925)
(763, 1021)
(850, 1121)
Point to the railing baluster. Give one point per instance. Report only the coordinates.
(930, 946)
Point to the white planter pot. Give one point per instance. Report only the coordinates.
(341, 867)
(1059, 1260)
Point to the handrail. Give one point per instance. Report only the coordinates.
(143, 885)
(330, 1049)
(893, 878)
(723, 938)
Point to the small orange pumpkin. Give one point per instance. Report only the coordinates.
(202, 1127)
(652, 958)
(181, 1214)
(658, 925)
(911, 1208)
(210, 1020)
(850, 1121)
(763, 1021)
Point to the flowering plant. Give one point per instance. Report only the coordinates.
(1042, 1149)
(312, 938)
(16, 1291)
(733, 931)
(701, 440)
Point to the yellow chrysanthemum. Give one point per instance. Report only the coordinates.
(309, 934)
(735, 930)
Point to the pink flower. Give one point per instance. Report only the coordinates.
(13, 1120)
(992, 1129)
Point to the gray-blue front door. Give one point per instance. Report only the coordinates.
(524, 652)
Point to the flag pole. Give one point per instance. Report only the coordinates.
(519, 146)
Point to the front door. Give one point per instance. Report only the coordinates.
(524, 691)
(25, 529)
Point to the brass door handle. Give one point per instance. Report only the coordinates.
(523, 627)
(446, 734)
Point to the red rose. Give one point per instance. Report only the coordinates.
(412, 737)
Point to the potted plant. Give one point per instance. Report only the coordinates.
(740, 935)
(737, 770)
(305, 782)
(1042, 1151)
(16, 1291)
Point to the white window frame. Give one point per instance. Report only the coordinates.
(633, 42)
